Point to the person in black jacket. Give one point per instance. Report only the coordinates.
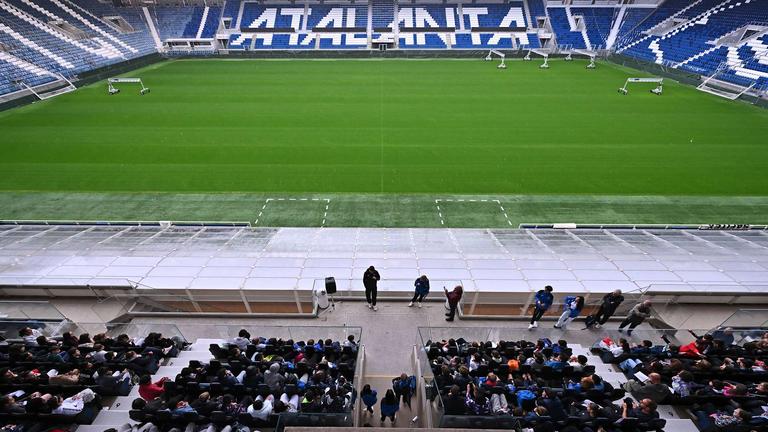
(371, 278)
(111, 384)
(454, 402)
(611, 302)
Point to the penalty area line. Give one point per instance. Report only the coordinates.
(498, 202)
(268, 200)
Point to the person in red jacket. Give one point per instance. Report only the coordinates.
(453, 300)
(148, 390)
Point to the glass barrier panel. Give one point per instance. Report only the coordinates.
(313, 420)
(747, 318)
(38, 310)
(480, 422)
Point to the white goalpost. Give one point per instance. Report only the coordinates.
(657, 90)
(114, 90)
(499, 54)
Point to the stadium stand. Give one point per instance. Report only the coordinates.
(561, 19)
(532, 384)
(194, 22)
(252, 382)
(43, 39)
(61, 380)
(598, 24)
(719, 379)
(689, 40)
(383, 15)
(537, 10)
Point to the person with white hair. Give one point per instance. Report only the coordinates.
(636, 316)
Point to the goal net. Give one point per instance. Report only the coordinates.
(657, 90)
(113, 89)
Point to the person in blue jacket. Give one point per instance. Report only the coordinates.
(544, 301)
(389, 406)
(368, 396)
(572, 307)
(404, 386)
(421, 290)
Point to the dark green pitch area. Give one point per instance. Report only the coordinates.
(383, 140)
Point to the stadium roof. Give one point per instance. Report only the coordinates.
(596, 260)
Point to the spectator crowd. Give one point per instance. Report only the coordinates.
(250, 382)
(541, 385)
(45, 381)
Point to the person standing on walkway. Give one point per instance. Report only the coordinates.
(544, 301)
(371, 279)
(420, 291)
(636, 316)
(389, 406)
(404, 387)
(368, 396)
(453, 301)
(572, 307)
(611, 302)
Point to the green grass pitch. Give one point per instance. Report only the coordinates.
(382, 140)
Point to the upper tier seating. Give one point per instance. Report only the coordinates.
(692, 45)
(630, 35)
(35, 45)
(598, 22)
(565, 37)
(537, 9)
(187, 22)
(45, 38)
(383, 14)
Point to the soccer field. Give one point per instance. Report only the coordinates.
(385, 143)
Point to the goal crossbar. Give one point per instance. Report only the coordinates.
(125, 80)
(658, 81)
(114, 90)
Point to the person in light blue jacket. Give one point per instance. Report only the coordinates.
(572, 307)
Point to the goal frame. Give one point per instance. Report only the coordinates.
(111, 89)
(658, 90)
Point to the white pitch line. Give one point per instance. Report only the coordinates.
(440, 212)
(325, 215)
(504, 212)
(266, 202)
